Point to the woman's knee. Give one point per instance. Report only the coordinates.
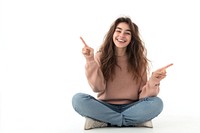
(77, 98)
(158, 104)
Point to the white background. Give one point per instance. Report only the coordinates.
(41, 65)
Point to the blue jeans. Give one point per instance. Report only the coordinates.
(117, 115)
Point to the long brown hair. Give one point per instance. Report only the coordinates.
(136, 52)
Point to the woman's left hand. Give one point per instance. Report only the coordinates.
(160, 73)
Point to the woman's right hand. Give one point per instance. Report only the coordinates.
(86, 50)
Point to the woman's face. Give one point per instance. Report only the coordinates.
(122, 35)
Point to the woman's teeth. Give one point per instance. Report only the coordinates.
(120, 40)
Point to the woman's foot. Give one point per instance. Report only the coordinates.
(91, 123)
(148, 124)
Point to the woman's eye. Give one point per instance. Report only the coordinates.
(125, 32)
(117, 31)
(128, 33)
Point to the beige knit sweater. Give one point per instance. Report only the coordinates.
(122, 89)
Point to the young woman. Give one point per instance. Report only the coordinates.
(118, 74)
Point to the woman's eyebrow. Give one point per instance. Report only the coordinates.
(121, 29)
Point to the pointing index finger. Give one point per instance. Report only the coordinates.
(165, 67)
(84, 42)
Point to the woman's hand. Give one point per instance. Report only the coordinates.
(160, 73)
(87, 51)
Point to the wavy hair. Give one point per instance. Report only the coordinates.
(136, 52)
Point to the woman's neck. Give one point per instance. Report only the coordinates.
(120, 52)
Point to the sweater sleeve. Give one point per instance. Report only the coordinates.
(94, 74)
(150, 89)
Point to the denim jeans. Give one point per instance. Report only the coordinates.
(118, 115)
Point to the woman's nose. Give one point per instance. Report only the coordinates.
(121, 34)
